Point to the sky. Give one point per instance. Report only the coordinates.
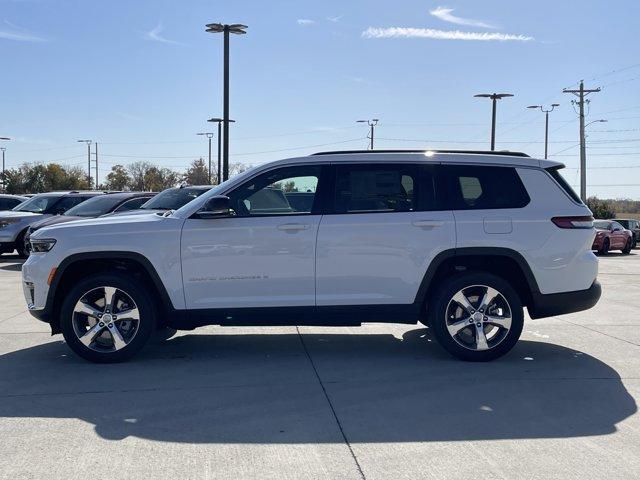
(142, 77)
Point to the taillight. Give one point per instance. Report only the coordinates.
(573, 222)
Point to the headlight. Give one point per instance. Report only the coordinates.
(42, 244)
(4, 223)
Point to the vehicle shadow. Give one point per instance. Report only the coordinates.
(229, 388)
(11, 267)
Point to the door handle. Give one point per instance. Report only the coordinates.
(427, 223)
(293, 227)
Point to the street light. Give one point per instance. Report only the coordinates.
(219, 122)
(237, 29)
(88, 142)
(3, 149)
(546, 123)
(602, 120)
(209, 136)
(494, 97)
(372, 123)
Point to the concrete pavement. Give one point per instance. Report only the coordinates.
(375, 402)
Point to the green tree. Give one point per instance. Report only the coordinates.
(117, 179)
(197, 173)
(38, 178)
(600, 208)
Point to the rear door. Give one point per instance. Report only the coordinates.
(381, 232)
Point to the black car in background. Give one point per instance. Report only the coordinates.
(633, 225)
(8, 202)
(170, 199)
(117, 202)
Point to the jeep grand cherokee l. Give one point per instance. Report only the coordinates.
(460, 241)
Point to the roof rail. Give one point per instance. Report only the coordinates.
(476, 152)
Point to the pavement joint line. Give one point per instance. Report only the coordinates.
(333, 410)
(601, 333)
(13, 316)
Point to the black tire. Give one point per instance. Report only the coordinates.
(627, 248)
(605, 247)
(133, 289)
(162, 334)
(20, 246)
(439, 317)
(634, 244)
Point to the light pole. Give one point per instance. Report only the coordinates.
(372, 123)
(546, 124)
(88, 142)
(237, 29)
(3, 150)
(219, 122)
(209, 135)
(494, 97)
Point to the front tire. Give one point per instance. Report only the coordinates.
(107, 318)
(476, 316)
(21, 248)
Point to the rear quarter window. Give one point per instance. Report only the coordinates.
(478, 187)
(557, 176)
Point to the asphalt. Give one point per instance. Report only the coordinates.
(375, 402)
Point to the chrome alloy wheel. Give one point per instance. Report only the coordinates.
(105, 319)
(478, 317)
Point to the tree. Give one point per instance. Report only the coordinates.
(117, 178)
(38, 178)
(147, 177)
(197, 173)
(237, 168)
(600, 208)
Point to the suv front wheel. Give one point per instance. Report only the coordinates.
(107, 318)
(476, 316)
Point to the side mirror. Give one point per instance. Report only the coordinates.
(215, 207)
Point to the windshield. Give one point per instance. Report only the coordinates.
(37, 204)
(601, 224)
(94, 207)
(173, 198)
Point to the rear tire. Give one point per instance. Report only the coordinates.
(627, 248)
(605, 247)
(476, 316)
(107, 318)
(20, 246)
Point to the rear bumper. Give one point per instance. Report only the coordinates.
(566, 302)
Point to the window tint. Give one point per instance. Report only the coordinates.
(557, 176)
(65, 203)
(132, 204)
(473, 187)
(376, 188)
(286, 191)
(8, 203)
(173, 198)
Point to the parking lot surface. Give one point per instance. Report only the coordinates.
(375, 402)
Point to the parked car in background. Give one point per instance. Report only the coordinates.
(610, 235)
(459, 241)
(9, 202)
(118, 202)
(169, 199)
(14, 223)
(633, 225)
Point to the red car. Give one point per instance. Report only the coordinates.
(610, 235)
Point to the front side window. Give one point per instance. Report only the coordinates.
(375, 188)
(473, 187)
(285, 191)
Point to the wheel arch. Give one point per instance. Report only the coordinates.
(80, 265)
(503, 262)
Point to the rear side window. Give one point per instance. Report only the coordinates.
(557, 176)
(473, 187)
(375, 188)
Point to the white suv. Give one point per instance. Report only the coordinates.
(461, 241)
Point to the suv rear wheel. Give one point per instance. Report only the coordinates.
(476, 316)
(107, 318)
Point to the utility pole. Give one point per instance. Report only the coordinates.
(546, 124)
(494, 97)
(4, 184)
(372, 123)
(97, 182)
(581, 93)
(209, 135)
(88, 142)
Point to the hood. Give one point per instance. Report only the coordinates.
(141, 211)
(97, 224)
(55, 220)
(12, 214)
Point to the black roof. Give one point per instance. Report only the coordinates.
(476, 152)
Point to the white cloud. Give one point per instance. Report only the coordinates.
(18, 34)
(335, 19)
(407, 32)
(155, 35)
(444, 13)
(305, 21)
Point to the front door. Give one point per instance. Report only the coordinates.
(264, 254)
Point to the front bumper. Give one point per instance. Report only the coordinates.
(566, 302)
